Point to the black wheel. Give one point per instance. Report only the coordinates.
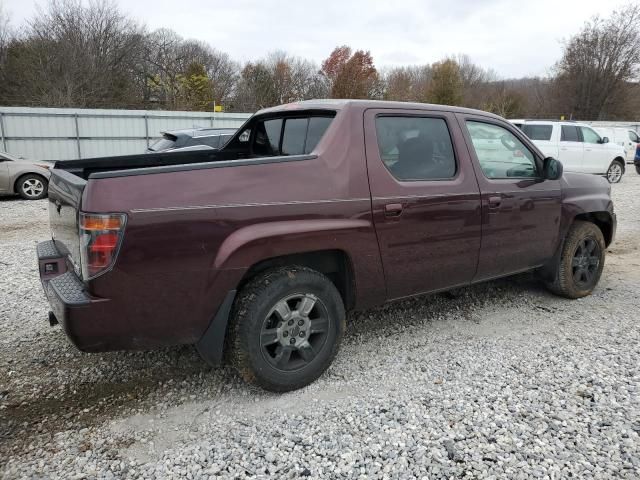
(32, 187)
(616, 169)
(581, 261)
(286, 328)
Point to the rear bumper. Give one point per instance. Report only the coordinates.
(75, 310)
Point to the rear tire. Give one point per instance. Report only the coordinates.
(32, 187)
(581, 261)
(286, 327)
(615, 171)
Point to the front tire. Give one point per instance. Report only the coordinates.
(615, 171)
(32, 187)
(286, 328)
(581, 261)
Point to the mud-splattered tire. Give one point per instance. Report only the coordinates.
(286, 327)
(581, 261)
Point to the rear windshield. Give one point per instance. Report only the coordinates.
(538, 132)
(165, 143)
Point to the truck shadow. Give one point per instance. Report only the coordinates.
(131, 381)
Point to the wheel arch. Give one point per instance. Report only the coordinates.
(622, 162)
(21, 175)
(336, 264)
(602, 220)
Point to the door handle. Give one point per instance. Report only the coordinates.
(563, 148)
(494, 202)
(393, 209)
(588, 149)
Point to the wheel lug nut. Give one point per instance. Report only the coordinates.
(285, 334)
(300, 322)
(302, 334)
(292, 341)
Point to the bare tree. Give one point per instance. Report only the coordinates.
(598, 63)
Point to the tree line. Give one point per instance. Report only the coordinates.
(91, 55)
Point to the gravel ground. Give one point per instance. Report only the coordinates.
(502, 380)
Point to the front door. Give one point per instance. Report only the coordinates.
(571, 149)
(596, 153)
(4, 174)
(425, 198)
(520, 210)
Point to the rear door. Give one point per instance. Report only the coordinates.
(571, 150)
(520, 210)
(426, 202)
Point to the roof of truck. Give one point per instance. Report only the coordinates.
(340, 104)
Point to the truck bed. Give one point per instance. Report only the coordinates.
(84, 168)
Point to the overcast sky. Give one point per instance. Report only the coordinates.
(515, 38)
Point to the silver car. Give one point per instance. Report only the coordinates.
(27, 178)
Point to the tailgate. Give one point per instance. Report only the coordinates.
(65, 197)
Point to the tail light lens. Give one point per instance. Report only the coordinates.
(100, 239)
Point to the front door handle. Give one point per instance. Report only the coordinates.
(393, 209)
(494, 202)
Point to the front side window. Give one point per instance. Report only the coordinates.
(538, 132)
(500, 153)
(416, 148)
(589, 135)
(569, 133)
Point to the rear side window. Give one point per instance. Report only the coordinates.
(289, 136)
(569, 133)
(416, 148)
(538, 132)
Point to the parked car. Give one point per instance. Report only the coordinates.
(311, 209)
(27, 178)
(578, 146)
(192, 138)
(624, 137)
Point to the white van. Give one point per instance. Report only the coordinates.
(578, 146)
(622, 136)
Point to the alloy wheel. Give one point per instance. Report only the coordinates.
(32, 187)
(585, 262)
(615, 173)
(294, 331)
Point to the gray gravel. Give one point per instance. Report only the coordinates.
(503, 380)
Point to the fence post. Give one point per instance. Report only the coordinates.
(4, 139)
(75, 116)
(146, 128)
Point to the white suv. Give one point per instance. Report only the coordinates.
(578, 146)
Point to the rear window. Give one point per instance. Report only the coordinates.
(570, 134)
(538, 132)
(289, 136)
(165, 143)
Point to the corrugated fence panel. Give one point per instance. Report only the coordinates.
(67, 133)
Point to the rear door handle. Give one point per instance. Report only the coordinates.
(494, 202)
(393, 209)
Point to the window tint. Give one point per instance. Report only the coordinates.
(295, 134)
(569, 133)
(538, 132)
(267, 139)
(317, 127)
(589, 135)
(633, 137)
(500, 153)
(416, 148)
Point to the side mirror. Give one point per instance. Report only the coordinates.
(605, 140)
(552, 169)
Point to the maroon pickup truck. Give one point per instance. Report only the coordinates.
(254, 252)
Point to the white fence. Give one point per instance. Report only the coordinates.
(68, 133)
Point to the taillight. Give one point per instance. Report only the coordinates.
(100, 239)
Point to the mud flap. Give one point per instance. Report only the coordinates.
(211, 345)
